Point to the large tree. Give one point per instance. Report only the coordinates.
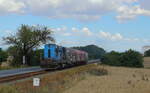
(28, 38)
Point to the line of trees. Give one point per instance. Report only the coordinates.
(129, 58)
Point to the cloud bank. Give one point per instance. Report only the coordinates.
(82, 36)
(83, 10)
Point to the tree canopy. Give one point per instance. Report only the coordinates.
(129, 58)
(28, 38)
(147, 53)
(112, 58)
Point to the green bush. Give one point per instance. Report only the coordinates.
(17, 57)
(112, 58)
(37, 55)
(129, 58)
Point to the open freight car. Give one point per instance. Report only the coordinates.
(59, 57)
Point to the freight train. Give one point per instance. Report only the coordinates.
(59, 57)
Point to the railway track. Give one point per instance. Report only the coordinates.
(8, 78)
(20, 76)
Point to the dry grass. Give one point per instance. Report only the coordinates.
(5, 68)
(118, 80)
(147, 62)
(11, 67)
(52, 83)
(87, 79)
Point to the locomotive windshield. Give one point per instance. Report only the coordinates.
(49, 53)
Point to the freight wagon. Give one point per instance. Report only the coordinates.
(59, 57)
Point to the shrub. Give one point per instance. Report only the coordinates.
(37, 55)
(98, 71)
(17, 57)
(129, 58)
(112, 58)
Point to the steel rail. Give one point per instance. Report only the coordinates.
(30, 74)
(20, 76)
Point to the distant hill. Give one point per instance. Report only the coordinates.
(94, 51)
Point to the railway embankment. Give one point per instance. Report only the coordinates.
(56, 82)
(91, 78)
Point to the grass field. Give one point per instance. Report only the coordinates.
(118, 80)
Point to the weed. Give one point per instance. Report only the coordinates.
(98, 72)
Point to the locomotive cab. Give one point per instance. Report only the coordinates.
(53, 55)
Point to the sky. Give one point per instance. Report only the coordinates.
(111, 24)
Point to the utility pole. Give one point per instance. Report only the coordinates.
(24, 60)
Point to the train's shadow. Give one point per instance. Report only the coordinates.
(63, 68)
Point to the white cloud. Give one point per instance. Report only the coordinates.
(119, 37)
(110, 36)
(128, 13)
(11, 6)
(86, 31)
(59, 29)
(73, 32)
(74, 29)
(83, 10)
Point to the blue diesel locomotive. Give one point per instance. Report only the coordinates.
(59, 57)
